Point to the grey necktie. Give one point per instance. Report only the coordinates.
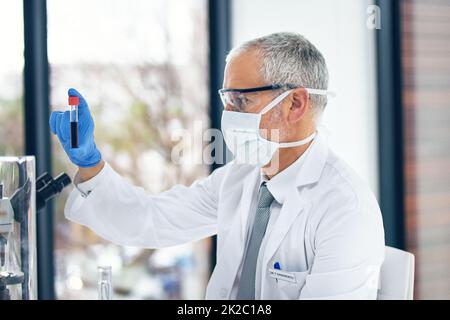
(246, 288)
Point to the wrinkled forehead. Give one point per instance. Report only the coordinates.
(243, 71)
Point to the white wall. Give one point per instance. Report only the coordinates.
(338, 28)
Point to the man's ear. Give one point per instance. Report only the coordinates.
(299, 105)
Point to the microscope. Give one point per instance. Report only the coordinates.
(18, 267)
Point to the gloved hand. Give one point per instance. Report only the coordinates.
(86, 155)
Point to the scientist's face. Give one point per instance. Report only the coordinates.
(242, 72)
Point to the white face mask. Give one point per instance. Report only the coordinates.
(242, 134)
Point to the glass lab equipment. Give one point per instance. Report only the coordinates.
(18, 268)
(73, 108)
(104, 283)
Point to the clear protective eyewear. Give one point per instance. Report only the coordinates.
(241, 100)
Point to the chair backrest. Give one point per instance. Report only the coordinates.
(396, 275)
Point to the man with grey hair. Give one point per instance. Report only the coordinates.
(292, 220)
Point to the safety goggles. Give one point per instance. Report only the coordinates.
(241, 100)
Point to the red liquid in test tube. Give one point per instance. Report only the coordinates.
(73, 106)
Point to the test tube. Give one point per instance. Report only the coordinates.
(73, 106)
(104, 283)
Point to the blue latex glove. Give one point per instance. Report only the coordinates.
(86, 155)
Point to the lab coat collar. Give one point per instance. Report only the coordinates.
(306, 170)
(280, 184)
(314, 162)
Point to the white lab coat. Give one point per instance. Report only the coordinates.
(328, 236)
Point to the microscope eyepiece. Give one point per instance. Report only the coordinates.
(62, 181)
(49, 188)
(43, 180)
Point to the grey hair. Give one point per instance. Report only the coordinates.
(289, 58)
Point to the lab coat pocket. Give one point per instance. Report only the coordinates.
(287, 285)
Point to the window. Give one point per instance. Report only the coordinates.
(11, 66)
(143, 68)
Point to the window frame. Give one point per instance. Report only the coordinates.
(390, 123)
